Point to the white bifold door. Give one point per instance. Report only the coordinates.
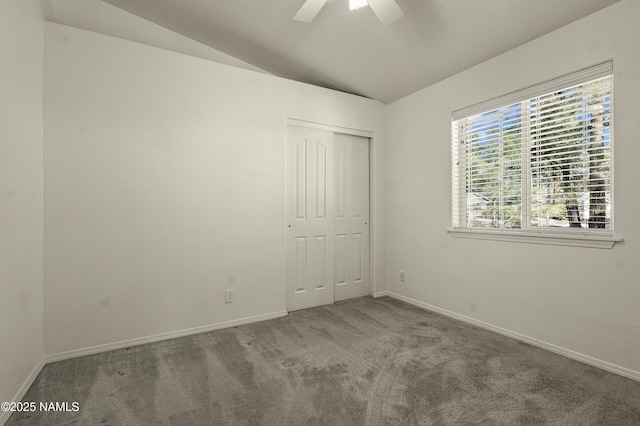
(327, 217)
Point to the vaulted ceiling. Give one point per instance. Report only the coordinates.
(352, 51)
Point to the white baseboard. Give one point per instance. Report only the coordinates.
(635, 375)
(4, 415)
(159, 337)
(381, 294)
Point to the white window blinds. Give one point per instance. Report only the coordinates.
(537, 158)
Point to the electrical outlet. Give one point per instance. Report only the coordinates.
(228, 296)
(403, 277)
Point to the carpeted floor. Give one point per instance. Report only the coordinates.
(361, 362)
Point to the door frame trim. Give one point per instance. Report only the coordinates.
(372, 213)
(331, 128)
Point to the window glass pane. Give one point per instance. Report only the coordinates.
(493, 159)
(570, 157)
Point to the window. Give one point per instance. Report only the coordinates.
(538, 162)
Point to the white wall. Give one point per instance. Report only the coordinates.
(578, 299)
(104, 18)
(164, 182)
(21, 335)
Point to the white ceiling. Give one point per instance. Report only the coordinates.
(352, 51)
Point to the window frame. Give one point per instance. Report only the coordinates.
(577, 237)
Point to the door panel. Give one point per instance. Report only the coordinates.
(309, 218)
(351, 225)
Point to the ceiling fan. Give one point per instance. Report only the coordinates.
(387, 11)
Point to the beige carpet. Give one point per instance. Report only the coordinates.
(361, 362)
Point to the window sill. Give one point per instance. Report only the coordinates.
(572, 239)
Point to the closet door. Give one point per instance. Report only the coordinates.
(310, 218)
(327, 217)
(351, 223)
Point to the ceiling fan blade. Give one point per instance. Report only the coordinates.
(309, 10)
(387, 11)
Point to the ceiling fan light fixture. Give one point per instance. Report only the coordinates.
(357, 4)
(387, 11)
